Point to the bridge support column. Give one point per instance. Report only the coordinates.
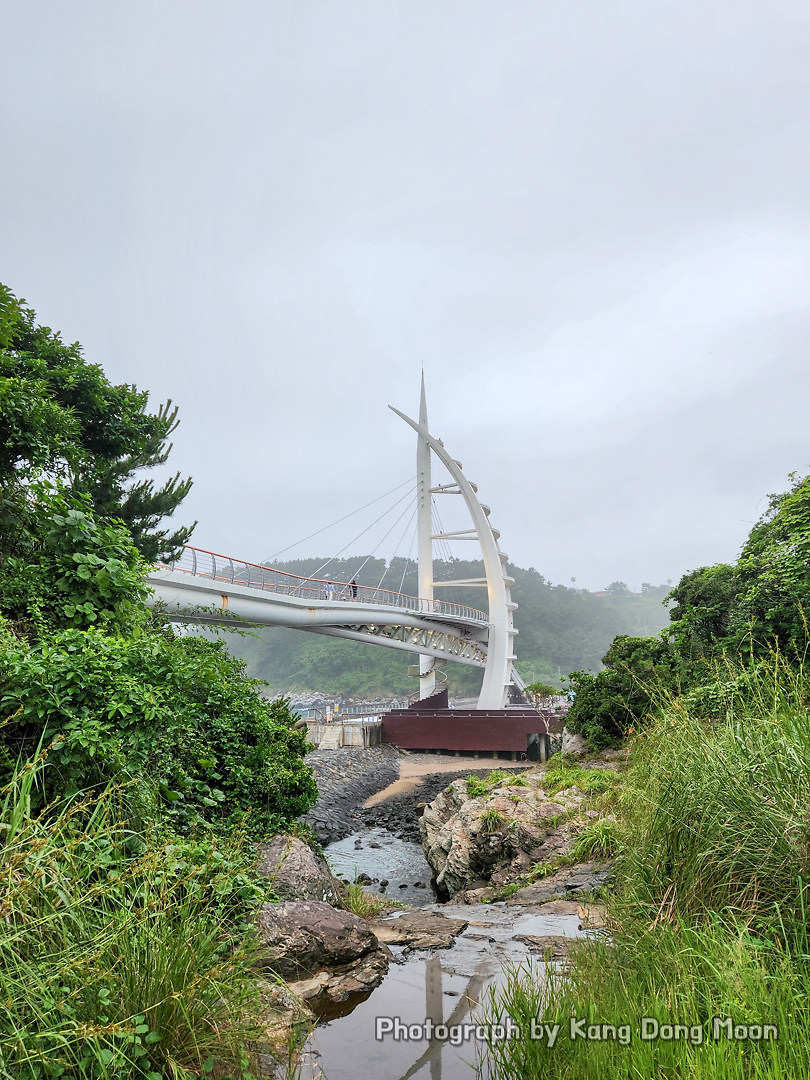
(424, 527)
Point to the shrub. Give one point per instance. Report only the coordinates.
(616, 701)
(176, 715)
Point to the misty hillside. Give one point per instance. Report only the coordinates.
(561, 630)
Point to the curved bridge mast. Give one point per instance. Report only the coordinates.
(499, 672)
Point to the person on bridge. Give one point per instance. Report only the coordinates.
(330, 591)
(353, 586)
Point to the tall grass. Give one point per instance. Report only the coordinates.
(709, 916)
(112, 964)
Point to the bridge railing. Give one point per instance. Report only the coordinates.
(209, 564)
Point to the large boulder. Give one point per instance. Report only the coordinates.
(299, 938)
(492, 837)
(573, 742)
(296, 871)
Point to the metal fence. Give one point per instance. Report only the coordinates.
(208, 564)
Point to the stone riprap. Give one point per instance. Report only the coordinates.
(345, 779)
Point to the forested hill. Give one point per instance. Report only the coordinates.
(561, 630)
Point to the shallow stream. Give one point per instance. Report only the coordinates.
(445, 985)
(385, 858)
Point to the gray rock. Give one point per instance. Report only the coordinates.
(419, 930)
(296, 871)
(299, 938)
(573, 743)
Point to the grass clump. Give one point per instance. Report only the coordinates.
(709, 913)
(476, 787)
(113, 964)
(359, 901)
(491, 821)
(599, 839)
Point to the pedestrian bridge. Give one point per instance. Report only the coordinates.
(208, 588)
(204, 587)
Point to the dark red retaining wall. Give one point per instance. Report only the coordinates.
(460, 729)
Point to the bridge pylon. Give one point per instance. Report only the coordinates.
(499, 672)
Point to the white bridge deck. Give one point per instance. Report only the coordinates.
(206, 587)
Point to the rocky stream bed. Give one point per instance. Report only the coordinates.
(458, 857)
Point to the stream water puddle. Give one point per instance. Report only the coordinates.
(445, 985)
(381, 855)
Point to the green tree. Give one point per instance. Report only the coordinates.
(611, 704)
(61, 417)
(763, 599)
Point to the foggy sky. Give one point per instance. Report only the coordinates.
(589, 222)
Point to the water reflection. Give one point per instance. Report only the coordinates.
(445, 986)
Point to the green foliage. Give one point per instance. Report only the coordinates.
(476, 787)
(709, 913)
(491, 821)
(718, 799)
(613, 703)
(61, 417)
(81, 571)
(598, 840)
(682, 976)
(543, 691)
(759, 602)
(176, 714)
(481, 785)
(361, 902)
(117, 964)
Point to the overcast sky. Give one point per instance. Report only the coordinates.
(590, 223)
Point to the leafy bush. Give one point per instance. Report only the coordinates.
(175, 714)
(613, 703)
(78, 570)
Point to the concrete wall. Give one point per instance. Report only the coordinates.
(357, 733)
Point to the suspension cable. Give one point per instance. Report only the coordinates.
(357, 511)
(407, 495)
(368, 557)
(396, 549)
(407, 561)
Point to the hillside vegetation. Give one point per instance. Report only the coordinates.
(561, 630)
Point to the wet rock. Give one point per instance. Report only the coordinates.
(296, 871)
(580, 879)
(419, 930)
(299, 938)
(339, 984)
(552, 948)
